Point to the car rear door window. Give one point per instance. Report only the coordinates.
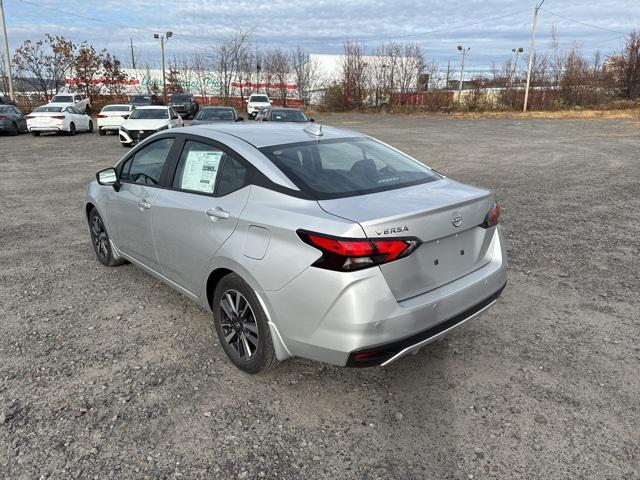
(146, 165)
(232, 177)
(198, 167)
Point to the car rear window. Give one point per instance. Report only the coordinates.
(288, 116)
(62, 99)
(116, 108)
(347, 167)
(215, 114)
(48, 109)
(259, 98)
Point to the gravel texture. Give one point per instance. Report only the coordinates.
(107, 373)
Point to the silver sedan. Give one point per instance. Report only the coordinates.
(302, 240)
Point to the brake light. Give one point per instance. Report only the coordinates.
(492, 218)
(101, 116)
(30, 116)
(347, 254)
(2, 117)
(58, 117)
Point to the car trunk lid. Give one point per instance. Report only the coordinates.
(444, 215)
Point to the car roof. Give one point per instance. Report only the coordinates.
(286, 108)
(266, 134)
(212, 107)
(117, 105)
(152, 107)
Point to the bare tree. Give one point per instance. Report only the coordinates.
(306, 73)
(228, 53)
(113, 75)
(625, 67)
(279, 66)
(174, 80)
(353, 75)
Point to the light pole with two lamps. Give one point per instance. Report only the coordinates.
(464, 53)
(163, 38)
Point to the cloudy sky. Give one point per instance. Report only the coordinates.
(490, 27)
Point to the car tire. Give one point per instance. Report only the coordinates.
(72, 129)
(87, 110)
(100, 241)
(35, 134)
(101, 132)
(239, 317)
(90, 129)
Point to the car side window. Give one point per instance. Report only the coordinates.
(198, 167)
(146, 165)
(232, 177)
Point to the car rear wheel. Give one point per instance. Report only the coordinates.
(242, 326)
(35, 134)
(102, 132)
(72, 129)
(100, 240)
(90, 129)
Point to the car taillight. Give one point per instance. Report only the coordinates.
(2, 117)
(347, 254)
(492, 218)
(58, 117)
(101, 116)
(30, 116)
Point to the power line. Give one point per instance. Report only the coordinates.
(583, 23)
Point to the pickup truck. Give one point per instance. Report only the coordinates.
(72, 99)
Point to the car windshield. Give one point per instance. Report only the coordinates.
(149, 114)
(215, 114)
(181, 98)
(116, 108)
(288, 116)
(347, 167)
(259, 99)
(141, 100)
(48, 109)
(62, 99)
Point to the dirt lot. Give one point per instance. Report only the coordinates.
(106, 373)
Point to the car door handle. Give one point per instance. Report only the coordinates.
(217, 213)
(143, 204)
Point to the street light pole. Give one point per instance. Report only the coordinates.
(163, 38)
(532, 53)
(517, 51)
(7, 60)
(464, 52)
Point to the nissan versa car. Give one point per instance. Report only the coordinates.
(145, 121)
(302, 241)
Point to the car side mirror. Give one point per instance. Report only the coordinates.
(175, 117)
(108, 177)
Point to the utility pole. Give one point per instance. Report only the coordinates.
(532, 53)
(446, 84)
(133, 57)
(7, 60)
(163, 38)
(464, 52)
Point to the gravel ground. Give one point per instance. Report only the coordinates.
(107, 373)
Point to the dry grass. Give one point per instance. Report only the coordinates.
(624, 114)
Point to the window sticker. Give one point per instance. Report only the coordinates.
(200, 171)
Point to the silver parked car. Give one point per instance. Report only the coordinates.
(301, 240)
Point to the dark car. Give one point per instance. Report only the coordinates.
(145, 100)
(282, 114)
(7, 101)
(12, 120)
(216, 115)
(185, 104)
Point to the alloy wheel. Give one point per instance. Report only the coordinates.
(100, 238)
(238, 324)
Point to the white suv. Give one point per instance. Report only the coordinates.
(256, 102)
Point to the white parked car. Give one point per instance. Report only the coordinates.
(256, 102)
(55, 118)
(145, 121)
(72, 99)
(111, 118)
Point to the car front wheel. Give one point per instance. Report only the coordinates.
(100, 241)
(242, 326)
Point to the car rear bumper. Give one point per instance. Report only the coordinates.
(109, 125)
(45, 129)
(333, 316)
